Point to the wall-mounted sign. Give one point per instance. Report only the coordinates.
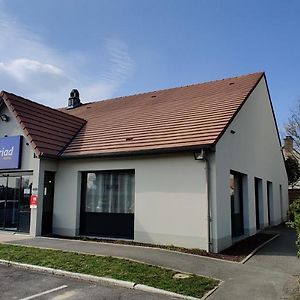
(10, 152)
(33, 201)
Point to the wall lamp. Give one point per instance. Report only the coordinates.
(199, 155)
(4, 118)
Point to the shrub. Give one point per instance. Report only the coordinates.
(295, 220)
(293, 170)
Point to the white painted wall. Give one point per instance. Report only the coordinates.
(253, 150)
(170, 197)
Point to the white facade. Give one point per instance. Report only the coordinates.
(254, 150)
(176, 195)
(170, 198)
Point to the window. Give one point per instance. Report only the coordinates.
(109, 192)
(107, 205)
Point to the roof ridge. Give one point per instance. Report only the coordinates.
(172, 88)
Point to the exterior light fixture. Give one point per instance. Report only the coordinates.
(199, 155)
(4, 118)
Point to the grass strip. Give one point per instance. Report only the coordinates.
(111, 267)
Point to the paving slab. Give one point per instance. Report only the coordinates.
(267, 275)
(10, 236)
(280, 255)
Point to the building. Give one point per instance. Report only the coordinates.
(289, 150)
(197, 166)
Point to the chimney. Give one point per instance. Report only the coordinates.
(288, 145)
(74, 100)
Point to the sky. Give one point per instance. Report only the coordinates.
(109, 48)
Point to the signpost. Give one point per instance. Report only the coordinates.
(10, 152)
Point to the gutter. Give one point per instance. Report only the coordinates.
(131, 153)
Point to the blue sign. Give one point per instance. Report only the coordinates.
(10, 152)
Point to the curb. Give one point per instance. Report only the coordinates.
(109, 281)
(105, 280)
(205, 296)
(149, 289)
(258, 248)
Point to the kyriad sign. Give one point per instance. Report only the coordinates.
(10, 152)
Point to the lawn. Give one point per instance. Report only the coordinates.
(104, 266)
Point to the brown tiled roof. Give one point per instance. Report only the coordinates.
(188, 117)
(48, 130)
(178, 118)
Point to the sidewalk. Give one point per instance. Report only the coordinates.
(267, 275)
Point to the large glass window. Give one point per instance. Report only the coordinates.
(109, 192)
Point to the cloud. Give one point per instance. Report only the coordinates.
(120, 65)
(30, 77)
(33, 69)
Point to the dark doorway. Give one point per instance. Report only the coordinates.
(269, 200)
(15, 192)
(258, 200)
(48, 199)
(236, 198)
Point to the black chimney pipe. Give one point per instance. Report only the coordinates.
(74, 100)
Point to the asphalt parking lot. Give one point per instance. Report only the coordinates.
(16, 283)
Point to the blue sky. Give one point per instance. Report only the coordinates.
(114, 48)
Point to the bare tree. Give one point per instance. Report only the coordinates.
(293, 126)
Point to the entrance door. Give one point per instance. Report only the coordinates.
(236, 197)
(3, 183)
(24, 204)
(12, 202)
(15, 191)
(48, 203)
(9, 202)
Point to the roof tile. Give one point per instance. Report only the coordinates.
(48, 130)
(191, 116)
(187, 117)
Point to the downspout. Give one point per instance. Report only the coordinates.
(202, 155)
(207, 167)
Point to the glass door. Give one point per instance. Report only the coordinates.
(15, 192)
(12, 203)
(3, 184)
(24, 203)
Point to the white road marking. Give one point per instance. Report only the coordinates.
(65, 295)
(45, 293)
